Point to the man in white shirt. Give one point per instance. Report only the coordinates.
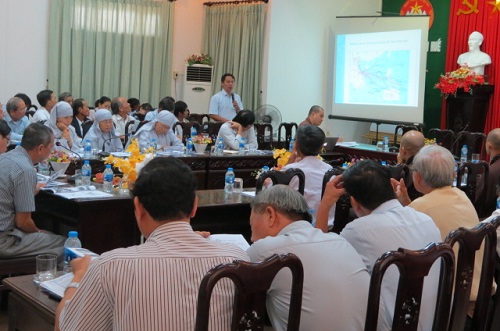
(226, 104)
(121, 110)
(15, 118)
(383, 225)
(335, 288)
(47, 100)
(308, 144)
(152, 286)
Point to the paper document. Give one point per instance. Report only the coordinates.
(249, 193)
(57, 286)
(81, 252)
(82, 194)
(235, 239)
(347, 144)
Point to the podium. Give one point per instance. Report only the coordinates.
(466, 111)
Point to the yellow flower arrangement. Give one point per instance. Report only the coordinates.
(200, 139)
(281, 155)
(58, 156)
(128, 166)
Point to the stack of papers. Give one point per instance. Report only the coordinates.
(235, 239)
(347, 144)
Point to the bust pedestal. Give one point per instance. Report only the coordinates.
(468, 111)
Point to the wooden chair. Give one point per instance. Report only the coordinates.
(252, 280)
(86, 127)
(140, 125)
(343, 205)
(444, 138)
(282, 177)
(186, 129)
(129, 131)
(17, 266)
(399, 171)
(403, 128)
(212, 128)
(200, 118)
(289, 134)
(413, 267)
(470, 241)
(264, 133)
(474, 171)
(475, 142)
(494, 318)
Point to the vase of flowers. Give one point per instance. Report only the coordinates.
(202, 58)
(461, 79)
(131, 166)
(59, 161)
(201, 142)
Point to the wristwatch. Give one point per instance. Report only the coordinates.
(72, 284)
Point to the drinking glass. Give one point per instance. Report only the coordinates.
(476, 157)
(46, 267)
(238, 185)
(78, 177)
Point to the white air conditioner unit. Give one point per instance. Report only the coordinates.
(197, 89)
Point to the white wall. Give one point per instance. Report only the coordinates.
(23, 39)
(295, 60)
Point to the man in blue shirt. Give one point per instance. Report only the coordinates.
(225, 105)
(15, 117)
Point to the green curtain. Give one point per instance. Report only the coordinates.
(234, 38)
(111, 47)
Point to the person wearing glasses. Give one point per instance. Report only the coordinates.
(16, 109)
(159, 129)
(102, 135)
(4, 136)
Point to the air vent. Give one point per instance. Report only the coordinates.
(199, 73)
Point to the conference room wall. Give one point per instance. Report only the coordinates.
(295, 59)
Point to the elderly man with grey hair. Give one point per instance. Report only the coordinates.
(315, 116)
(19, 235)
(448, 206)
(15, 117)
(335, 278)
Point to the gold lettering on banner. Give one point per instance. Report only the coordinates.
(471, 5)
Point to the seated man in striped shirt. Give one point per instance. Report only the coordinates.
(152, 286)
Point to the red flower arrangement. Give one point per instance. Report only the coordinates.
(199, 59)
(462, 78)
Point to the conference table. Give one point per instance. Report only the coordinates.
(104, 224)
(30, 309)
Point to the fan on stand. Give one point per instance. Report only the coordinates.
(268, 114)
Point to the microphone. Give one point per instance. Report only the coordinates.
(232, 96)
(108, 140)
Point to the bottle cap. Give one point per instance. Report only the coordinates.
(229, 169)
(86, 162)
(73, 234)
(108, 166)
(265, 168)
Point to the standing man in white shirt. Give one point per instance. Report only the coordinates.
(226, 104)
(121, 110)
(47, 100)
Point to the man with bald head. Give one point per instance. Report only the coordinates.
(493, 150)
(315, 116)
(411, 142)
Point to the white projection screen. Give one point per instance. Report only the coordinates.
(379, 66)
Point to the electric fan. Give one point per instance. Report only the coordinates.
(268, 114)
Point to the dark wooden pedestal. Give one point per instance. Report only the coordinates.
(466, 111)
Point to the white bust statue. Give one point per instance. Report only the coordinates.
(474, 58)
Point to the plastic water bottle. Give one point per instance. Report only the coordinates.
(107, 183)
(386, 144)
(71, 242)
(86, 173)
(229, 181)
(241, 149)
(87, 150)
(152, 145)
(194, 133)
(189, 146)
(463, 153)
(220, 146)
(384, 163)
(292, 143)
(498, 196)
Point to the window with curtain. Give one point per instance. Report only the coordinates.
(111, 47)
(234, 38)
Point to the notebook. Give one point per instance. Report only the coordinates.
(330, 143)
